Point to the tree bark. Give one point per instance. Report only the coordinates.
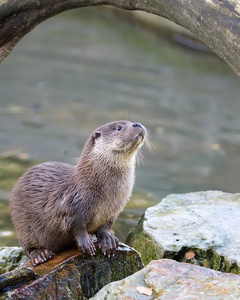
(216, 22)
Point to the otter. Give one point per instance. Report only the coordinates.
(55, 205)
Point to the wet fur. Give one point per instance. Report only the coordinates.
(53, 204)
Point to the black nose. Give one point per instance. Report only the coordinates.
(137, 125)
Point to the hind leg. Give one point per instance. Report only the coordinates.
(40, 256)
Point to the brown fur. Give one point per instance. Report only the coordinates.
(54, 205)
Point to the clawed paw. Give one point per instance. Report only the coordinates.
(107, 242)
(86, 245)
(40, 256)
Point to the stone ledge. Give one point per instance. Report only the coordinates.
(201, 228)
(168, 279)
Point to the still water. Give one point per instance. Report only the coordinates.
(84, 68)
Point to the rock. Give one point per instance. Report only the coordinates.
(200, 228)
(168, 279)
(10, 258)
(69, 275)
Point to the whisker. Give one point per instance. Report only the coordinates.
(152, 138)
(139, 158)
(149, 144)
(111, 117)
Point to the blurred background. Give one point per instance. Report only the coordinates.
(86, 67)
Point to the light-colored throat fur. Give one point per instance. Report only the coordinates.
(109, 180)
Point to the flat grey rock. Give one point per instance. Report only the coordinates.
(167, 279)
(205, 223)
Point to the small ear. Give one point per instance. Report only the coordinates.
(96, 135)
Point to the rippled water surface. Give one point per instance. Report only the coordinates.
(84, 68)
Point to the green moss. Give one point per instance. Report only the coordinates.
(135, 232)
(234, 268)
(10, 258)
(209, 258)
(149, 251)
(143, 243)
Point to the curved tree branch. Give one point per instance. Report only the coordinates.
(216, 22)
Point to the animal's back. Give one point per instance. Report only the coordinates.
(36, 203)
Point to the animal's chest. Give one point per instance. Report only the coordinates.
(110, 200)
(107, 209)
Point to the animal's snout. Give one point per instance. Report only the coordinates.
(137, 125)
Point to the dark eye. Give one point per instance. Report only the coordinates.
(119, 128)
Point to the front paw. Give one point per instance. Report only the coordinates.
(85, 244)
(107, 242)
(40, 256)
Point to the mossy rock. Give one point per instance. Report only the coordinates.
(199, 228)
(69, 275)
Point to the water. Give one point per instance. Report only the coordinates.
(84, 68)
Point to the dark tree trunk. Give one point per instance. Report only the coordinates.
(216, 22)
